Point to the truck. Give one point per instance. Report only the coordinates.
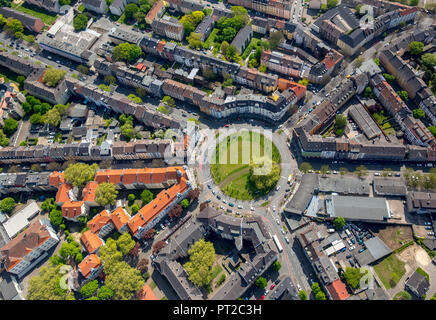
(277, 242)
(348, 232)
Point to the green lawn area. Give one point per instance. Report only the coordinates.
(226, 162)
(380, 118)
(423, 273)
(210, 40)
(252, 45)
(390, 271)
(45, 16)
(403, 295)
(153, 285)
(240, 188)
(216, 271)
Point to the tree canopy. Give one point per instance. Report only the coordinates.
(418, 113)
(403, 95)
(275, 38)
(352, 277)
(126, 52)
(89, 289)
(125, 243)
(428, 60)
(52, 76)
(146, 196)
(267, 174)
(416, 47)
(105, 194)
(130, 10)
(339, 223)
(305, 167)
(52, 117)
(9, 126)
(7, 204)
(201, 259)
(46, 285)
(80, 22)
(261, 282)
(80, 173)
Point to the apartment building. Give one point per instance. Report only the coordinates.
(49, 5)
(168, 27)
(29, 22)
(277, 8)
(30, 247)
(97, 6)
(156, 11)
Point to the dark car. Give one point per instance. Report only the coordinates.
(277, 282)
(349, 256)
(351, 262)
(218, 197)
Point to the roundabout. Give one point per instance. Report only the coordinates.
(234, 162)
(227, 184)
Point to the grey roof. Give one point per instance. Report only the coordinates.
(418, 284)
(389, 186)
(244, 35)
(417, 201)
(8, 289)
(341, 10)
(301, 198)
(358, 208)
(285, 290)
(364, 121)
(375, 250)
(343, 185)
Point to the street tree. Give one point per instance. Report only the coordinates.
(175, 211)
(305, 167)
(9, 126)
(158, 246)
(148, 234)
(261, 282)
(302, 294)
(339, 223)
(184, 203)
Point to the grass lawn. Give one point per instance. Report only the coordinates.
(240, 188)
(210, 40)
(153, 285)
(423, 273)
(390, 271)
(45, 16)
(252, 45)
(403, 295)
(216, 271)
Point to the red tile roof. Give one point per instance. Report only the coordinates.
(90, 262)
(62, 193)
(99, 221)
(72, 209)
(56, 178)
(91, 241)
(89, 191)
(119, 218)
(147, 293)
(338, 290)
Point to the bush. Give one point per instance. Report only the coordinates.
(89, 289)
(7, 204)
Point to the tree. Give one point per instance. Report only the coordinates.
(62, 109)
(304, 82)
(80, 22)
(70, 250)
(361, 171)
(253, 63)
(158, 246)
(36, 167)
(124, 281)
(126, 52)
(275, 38)
(193, 194)
(175, 211)
(277, 265)
(7, 204)
(110, 255)
(64, 2)
(264, 174)
(56, 217)
(315, 288)
(52, 118)
(368, 93)
(142, 265)
(52, 76)
(135, 209)
(416, 47)
(194, 41)
(432, 130)
(105, 194)
(262, 68)
(127, 131)
(105, 293)
(130, 10)
(428, 60)
(324, 169)
(48, 205)
(332, 3)
(83, 69)
(261, 282)
(184, 203)
(13, 26)
(148, 234)
(201, 259)
(352, 277)
(139, 16)
(302, 294)
(9, 126)
(80, 173)
(125, 243)
(340, 121)
(231, 53)
(377, 61)
(169, 101)
(320, 296)
(89, 289)
(141, 92)
(135, 250)
(35, 118)
(109, 79)
(403, 95)
(134, 98)
(358, 62)
(418, 113)
(339, 223)
(146, 196)
(389, 78)
(46, 285)
(305, 167)
(131, 197)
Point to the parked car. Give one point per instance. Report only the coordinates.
(277, 282)
(287, 239)
(240, 207)
(231, 204)
(209, 186)
(283, 231)
(262, 297)
(272, 286)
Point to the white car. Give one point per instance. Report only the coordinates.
(287, 239)
(240, 207)
(222, 207)
(299, 287)
(252, 208)
(278, 188)
(283, 231)
(274, 208)
(376, 174)
(278, 221)
(266, 291)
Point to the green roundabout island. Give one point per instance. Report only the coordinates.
(246, 168)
